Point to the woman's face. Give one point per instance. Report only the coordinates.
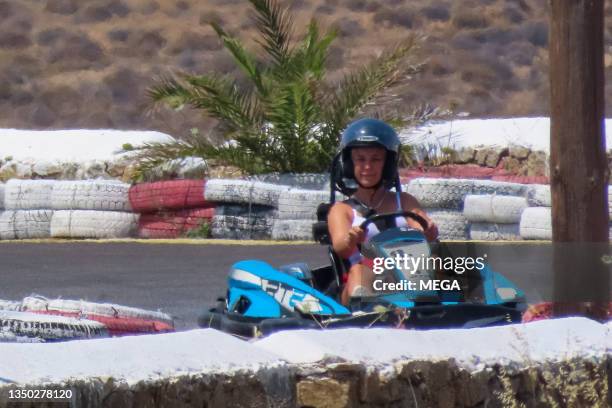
(369, 163)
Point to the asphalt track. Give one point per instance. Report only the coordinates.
(182, 279)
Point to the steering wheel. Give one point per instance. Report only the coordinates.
(390, 217)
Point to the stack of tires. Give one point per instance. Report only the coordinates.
(442, 199)
(245, 209)
(66, 209)
(536, 221)
(471, 209)
(27, 209)
(91, 209)
(171, 209)
(297, 211)
(494, 217)
(36, 319)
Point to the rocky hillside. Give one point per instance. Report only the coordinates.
(71, 63)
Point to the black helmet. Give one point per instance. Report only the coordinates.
(367, 133)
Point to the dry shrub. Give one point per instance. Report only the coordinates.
(146, 43)
(536, 32)
(497, 35)
(436, 12)
(513, 14)
(62, 100)
(438, 66)
(469, 18)
(207, 17)
(64, 7)
(325, 9)
(123, 84)
(13, 40)
(521, 53)
(335, 58)
(93, 14)
(348, 27)
(75, 51)
(118, 35)
(145, 7)
(404, 17)
(465, 41)
(195, 41)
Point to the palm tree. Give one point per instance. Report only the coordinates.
(290, 117)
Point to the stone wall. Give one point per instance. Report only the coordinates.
(343, 385)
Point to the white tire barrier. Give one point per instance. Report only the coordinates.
(28, 194)
(440, 193)
(25, 224)
(536, 223)
(93, 224)
(46, 327)
(538, 195)
(81, 307)
(7, 336)
(292, 230)
(298, 204)
(494, 208)
(485, 231)
(451, 224)
(451, 193)
(310, 181)
(245, 210)
(10, 305)
(241, 227)
(104, 195)
(243, 191)
(499, 188)
(1, 196)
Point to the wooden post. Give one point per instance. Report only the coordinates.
(578, 164)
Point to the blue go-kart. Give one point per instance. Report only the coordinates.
(262, 299)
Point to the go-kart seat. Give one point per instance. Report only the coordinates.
(320, 232)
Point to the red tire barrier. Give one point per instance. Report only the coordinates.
(173, 224)
(469, 171)
(164, 195)
(117, 326)
(522, 179)
(544, 310)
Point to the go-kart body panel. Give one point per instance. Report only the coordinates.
(262, 299)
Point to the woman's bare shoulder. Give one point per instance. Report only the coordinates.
(409, 201)
(340, 208)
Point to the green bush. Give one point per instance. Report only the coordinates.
(203, 231)
(289, 117)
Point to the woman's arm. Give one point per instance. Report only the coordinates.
(344, 236)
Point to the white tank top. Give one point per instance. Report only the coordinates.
(372, 229)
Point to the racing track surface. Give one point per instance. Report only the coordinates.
(181, 279)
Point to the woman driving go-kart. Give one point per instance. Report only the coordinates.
(377, 222)
(369, 151)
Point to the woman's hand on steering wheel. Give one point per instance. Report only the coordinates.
(430, 230)
(414, 220)
(356, 235)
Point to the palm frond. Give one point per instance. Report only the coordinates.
(244, 60)
(289, 121)
(276, 26)
(169, 91)
(155, 154)
(221, 99)
(316, 49)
